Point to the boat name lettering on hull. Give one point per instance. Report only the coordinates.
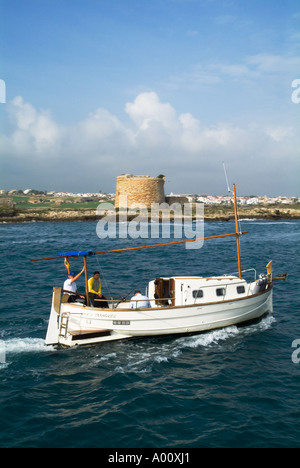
(99, 315)
(107, 316)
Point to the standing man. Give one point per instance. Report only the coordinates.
(95, 291)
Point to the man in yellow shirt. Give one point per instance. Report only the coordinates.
(95, 291)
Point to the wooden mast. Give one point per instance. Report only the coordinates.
(86, 282)
(237, 232)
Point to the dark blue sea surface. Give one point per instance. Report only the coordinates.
(235, 387)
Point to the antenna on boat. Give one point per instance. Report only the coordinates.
(228, 186)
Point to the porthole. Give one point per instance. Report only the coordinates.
(220, 292)
(198, 294)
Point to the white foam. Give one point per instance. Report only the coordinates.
(262, 222)
(26, 345)
(4, 366)
(161, 359)
(264, 324)
(107, 357)
(140, 356)
(210, 338)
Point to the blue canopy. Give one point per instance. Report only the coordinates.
(84, 253)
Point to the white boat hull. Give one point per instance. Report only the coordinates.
(74, 324)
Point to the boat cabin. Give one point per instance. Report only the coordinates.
(182, 291)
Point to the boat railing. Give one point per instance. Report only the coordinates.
(245, 271)
(114, 303)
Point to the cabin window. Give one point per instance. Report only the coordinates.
(220, 291)
(240, 289)
(198, 294)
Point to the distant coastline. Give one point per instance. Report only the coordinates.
(21, 208)
(210, 214)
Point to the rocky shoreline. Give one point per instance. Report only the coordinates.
(210, 214)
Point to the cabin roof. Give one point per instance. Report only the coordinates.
(205, 279)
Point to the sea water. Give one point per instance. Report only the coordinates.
(234, 387)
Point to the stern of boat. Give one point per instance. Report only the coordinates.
(52, 337)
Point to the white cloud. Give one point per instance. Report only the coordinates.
(147, 109)
(280, 133)
(33, 129)
(273, 64)
(253, 68)
(40, 153)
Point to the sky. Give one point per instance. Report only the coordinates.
(99, 88)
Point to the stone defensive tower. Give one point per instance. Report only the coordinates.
(140, 190)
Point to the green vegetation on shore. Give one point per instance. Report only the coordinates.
(20, 208)
(27, 202)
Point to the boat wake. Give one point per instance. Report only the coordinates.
(19, 346)
(210, 339)
(26, 345)
(142, 356)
